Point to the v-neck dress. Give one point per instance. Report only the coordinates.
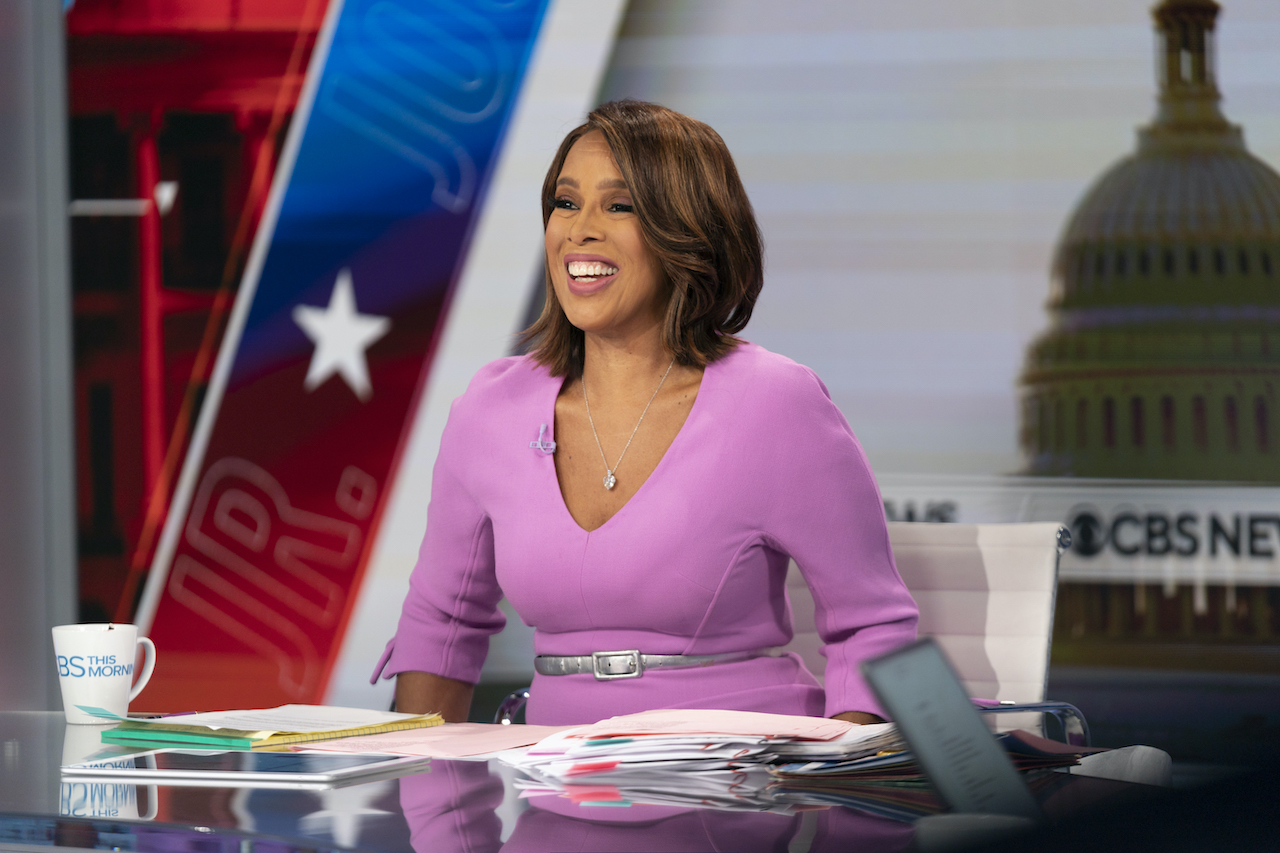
(764, 469)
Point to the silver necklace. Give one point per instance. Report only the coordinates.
(609, 480)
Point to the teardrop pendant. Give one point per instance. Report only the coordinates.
(609, 480)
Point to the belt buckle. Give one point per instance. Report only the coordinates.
(605, 665)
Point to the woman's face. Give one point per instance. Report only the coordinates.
(605, 276)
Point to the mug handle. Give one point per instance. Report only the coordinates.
(148, 664)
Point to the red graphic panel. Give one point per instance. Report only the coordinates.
(268, 574)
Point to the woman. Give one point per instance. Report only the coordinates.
(688, 466)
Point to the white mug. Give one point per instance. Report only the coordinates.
(96, 667)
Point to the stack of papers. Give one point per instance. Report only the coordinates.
(892, 783)
(898, 764)
(743, 761)
(894, 786)
(688, 757)
(257, 729)
(858, 742)
(903, 800)
(695, 740)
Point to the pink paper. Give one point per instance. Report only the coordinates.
(700, 721)
(451, 740)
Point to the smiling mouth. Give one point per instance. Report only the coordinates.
(589, 271)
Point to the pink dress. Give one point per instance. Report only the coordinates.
(764, 468)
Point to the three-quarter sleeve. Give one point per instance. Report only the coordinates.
(452, 606)
(826, 512)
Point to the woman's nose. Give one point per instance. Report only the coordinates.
(585, 227)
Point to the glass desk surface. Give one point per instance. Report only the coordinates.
(453, 806)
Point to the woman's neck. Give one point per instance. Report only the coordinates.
(614, 368)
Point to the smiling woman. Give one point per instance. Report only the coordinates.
(614, 293)
(664, 588)
(673, 180)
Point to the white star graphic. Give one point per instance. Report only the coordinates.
(341, 336)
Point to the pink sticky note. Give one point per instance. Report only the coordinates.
(593, 793)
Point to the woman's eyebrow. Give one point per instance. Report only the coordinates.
(610, 184)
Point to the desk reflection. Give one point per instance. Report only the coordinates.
(89, 798)
(452, 808)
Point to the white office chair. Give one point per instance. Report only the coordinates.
(986, 593)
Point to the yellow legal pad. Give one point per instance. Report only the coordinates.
(263, 728)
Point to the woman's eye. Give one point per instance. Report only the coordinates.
(564, 204)
(621, 207)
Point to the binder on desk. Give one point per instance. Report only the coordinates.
(263, 728)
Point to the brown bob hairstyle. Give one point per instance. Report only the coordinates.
(696, 219)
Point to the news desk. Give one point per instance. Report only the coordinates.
(459, 806)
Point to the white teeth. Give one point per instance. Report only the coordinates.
(584, 269)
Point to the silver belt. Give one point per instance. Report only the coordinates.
(629, 663)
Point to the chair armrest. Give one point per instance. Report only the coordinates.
(1062, 712)
(511, 706)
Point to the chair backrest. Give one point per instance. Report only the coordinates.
(986, 594)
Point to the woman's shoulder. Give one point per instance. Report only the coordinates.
(778, 403)
(504, 373)
(754, 370)
(768, 392)
(503, 384)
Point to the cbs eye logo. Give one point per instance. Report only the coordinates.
(1088, 533)
(1157, 533)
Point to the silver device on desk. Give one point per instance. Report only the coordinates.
(300, 771)
(966, 765)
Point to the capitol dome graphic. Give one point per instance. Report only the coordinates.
(1162, 358)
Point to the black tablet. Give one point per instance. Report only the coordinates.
(967, 767)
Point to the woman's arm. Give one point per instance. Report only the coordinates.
(424, 693)
(860, 717)
(828, 516)
(452, 604)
